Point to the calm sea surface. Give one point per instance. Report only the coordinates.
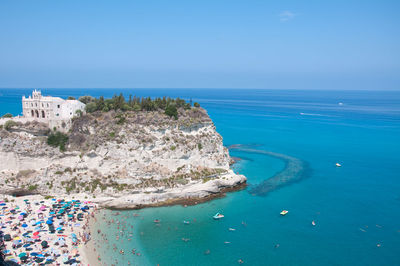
(356, 208)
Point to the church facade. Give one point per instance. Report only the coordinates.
(45, 108)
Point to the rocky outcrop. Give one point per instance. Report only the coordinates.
(125, 159)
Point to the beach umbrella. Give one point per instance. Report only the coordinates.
(49, 222)
(20, 217)
(44, 244)
(36, 233)
(7, 237)
(34, 254)
(12, 259)
(35, 237)
(23, 254)
(24, 225)
(39, 260)
(26, 245)
(6, 251)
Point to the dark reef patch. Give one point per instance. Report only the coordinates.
(294, 171)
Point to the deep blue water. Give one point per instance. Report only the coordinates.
(355, 207)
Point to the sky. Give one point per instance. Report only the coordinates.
(200, 44)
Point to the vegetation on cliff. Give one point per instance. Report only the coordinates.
(169, 105)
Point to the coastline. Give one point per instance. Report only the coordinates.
(186, 195)
(89, 252)
(183, 201)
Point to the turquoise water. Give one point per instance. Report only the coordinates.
(355, 207)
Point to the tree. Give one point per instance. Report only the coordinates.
(71, 98)
(57, 139)
(9, 124)
(86, 99)
(196, 104)
(171, 111)
(91, 107)
(8, 115)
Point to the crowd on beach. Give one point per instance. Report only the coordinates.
(124, 232)
(38, 231)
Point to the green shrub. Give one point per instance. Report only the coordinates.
(91, 107)
(57, 139)
(9, 124)
(79, 113)
(32, 187)
(171, 111)
(173, 148)
(196, 104)
(8, 115)
(199, 146)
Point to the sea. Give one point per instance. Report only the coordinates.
(287, 143)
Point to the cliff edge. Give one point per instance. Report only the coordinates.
(122, 159)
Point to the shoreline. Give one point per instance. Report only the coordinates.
(89, 252)
(182, 201)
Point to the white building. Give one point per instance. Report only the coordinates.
(47, 108)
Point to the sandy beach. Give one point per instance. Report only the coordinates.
(54, 231)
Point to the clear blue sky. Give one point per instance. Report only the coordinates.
(200, 44)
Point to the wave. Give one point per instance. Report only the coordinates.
(294, 171)
(310, 114)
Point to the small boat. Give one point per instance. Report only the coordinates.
(313, 223)
(156, 221)
(338, 165)
(284, 212)
(186, 222)
(218, 216)
(232, 229)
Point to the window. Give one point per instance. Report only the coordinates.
(47, 105)
(57, 114)
(58, 106)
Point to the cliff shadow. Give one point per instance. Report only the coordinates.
(294, 171)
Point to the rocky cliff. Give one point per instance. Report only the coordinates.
(122, 159)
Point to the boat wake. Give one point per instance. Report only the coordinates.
(294, 171)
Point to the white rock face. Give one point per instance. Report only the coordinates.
(147, 159)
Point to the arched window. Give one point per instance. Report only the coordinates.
(32, 113)
(37, 113)
(43, 114)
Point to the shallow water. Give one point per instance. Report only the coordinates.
(355, 207)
